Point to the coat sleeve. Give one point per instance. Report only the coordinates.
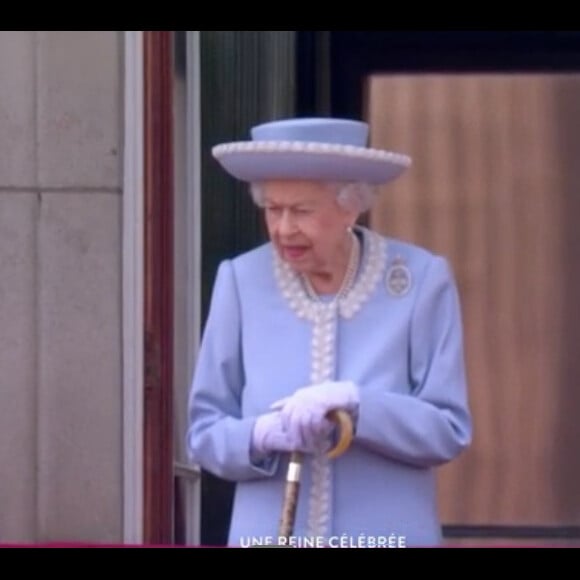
(218, 436)
(432, 424)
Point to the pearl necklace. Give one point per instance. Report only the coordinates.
(349, 276)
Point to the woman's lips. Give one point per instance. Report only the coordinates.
(294, 252)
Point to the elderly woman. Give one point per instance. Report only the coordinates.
(328, 315)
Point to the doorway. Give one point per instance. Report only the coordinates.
(491, 121)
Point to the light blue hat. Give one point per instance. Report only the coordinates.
(310, 149)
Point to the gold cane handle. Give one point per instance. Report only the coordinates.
(345, 432)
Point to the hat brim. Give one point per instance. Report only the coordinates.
(268, 160)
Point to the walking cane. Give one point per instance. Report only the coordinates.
(292, 489)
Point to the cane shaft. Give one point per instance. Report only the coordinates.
(292, 488)
(291, 493)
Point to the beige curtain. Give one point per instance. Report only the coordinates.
(495, 186)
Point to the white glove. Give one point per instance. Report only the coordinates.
(269, 436)
(303, 414)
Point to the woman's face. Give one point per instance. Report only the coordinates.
(306, 224)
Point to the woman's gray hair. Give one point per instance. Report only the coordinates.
(357, 196)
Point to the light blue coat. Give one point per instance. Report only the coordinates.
(403, 348)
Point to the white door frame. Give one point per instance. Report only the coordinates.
(133, 286)
(188, 260)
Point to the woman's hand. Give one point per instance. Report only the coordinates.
(269, 436)
(304, 414)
